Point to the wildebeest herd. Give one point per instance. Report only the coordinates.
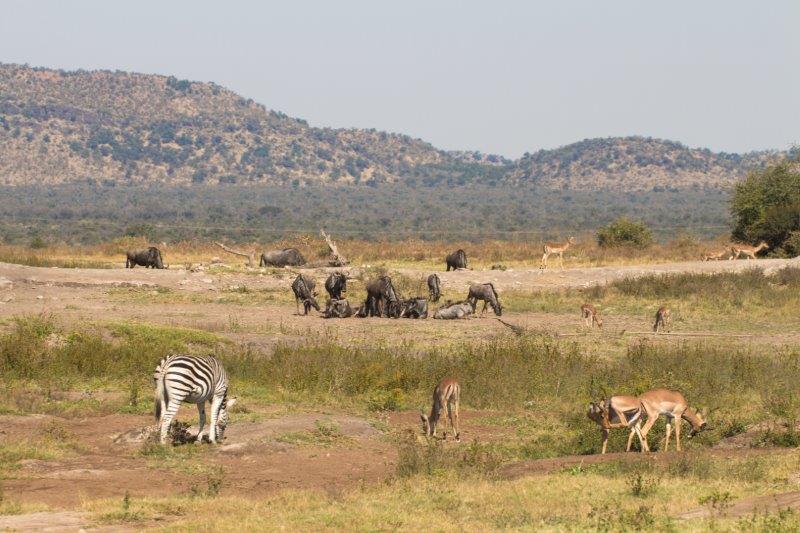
(383, 299)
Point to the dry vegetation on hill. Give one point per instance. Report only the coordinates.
(127, 128)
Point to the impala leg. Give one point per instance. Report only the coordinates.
(666, 441)
(630, 440)
(605, 440)
(646, 429)
(201, 411)
(458, 433)
(561, 260)
(678, 433)
(643, 446)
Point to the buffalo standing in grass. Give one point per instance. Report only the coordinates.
(336, 284)
(487, 293)
(453, 311)
(434, 288)
(148, 258)
(303, 289)
(456, 260)
(382, 299)
(337, 308)
(282, 258)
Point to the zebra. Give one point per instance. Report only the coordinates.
(192, 379)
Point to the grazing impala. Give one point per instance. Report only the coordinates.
(673, 405)
(663, 320)
(591, 316)
(556, 248)
(618, 412)
(749, 251)
(445, 396)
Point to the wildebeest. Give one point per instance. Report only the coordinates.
(148, 258)
(303, 289)
(336, 284)
(487, 293)
(434, 288)
(454, 310)
(381, 297)
(337, 308)
(456, 260)
(416, 307)
(281, 258)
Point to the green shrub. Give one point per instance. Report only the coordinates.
(766, 206)
(624, 232)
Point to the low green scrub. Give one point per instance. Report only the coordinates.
(547, 380)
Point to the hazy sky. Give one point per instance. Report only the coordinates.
(501, 77)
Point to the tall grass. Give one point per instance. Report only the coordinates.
(530, 372)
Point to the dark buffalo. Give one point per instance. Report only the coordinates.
(416, 307)
(382, 299)
(336, 284)
(487, 293)
(148, 258)
(434, 288)
(282, 258)
(456, 260)
(337, 308)
(303, 289)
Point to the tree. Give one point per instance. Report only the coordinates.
(624, 232)
(766, 206)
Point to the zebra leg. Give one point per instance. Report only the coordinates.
(216, 405)
(166, 418)
(201, 410)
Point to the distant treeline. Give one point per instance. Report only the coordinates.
(87, 214)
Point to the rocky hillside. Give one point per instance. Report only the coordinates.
(118, 127)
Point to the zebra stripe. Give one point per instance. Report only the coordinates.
(191, 379)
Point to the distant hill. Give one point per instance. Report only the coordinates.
(123, 128)
(635, 163)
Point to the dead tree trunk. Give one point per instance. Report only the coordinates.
(251, 256)
(338, 259)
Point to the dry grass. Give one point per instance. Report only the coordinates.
(409, 253)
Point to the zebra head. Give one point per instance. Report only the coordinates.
(222, 418)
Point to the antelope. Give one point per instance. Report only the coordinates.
(445, 396)
(619, 412)
(716, 256)
(749, 251)
(556, 248)
(671, 404)
(663, 320)
(590, 316)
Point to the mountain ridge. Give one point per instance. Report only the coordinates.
(119, 127)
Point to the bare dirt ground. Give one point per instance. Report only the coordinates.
(275, 450)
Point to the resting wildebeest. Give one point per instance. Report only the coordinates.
(416, 307)
(281, 258)
(381, 297)
(336, 284)
(337, 308)
(452, 311)
(434, 288)
(303, 289)
(456, 260)
(485, 292)
(148, 258)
